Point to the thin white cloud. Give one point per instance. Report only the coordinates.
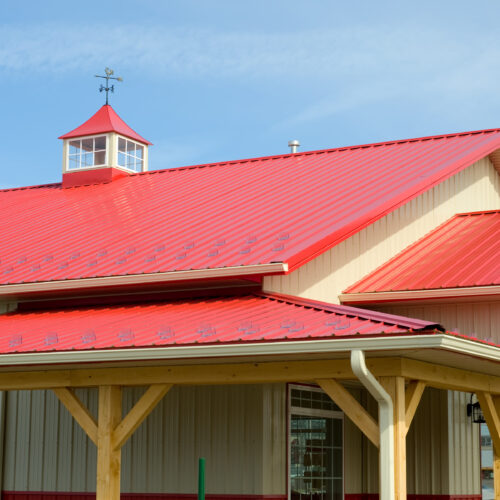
(341, 52)
(353, 66)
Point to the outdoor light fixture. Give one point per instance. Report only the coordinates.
(474, 411)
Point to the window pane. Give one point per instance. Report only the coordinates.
(130, 147)
(130, 162)
(100, 143)
(87, 160)
(121, 144)
(88, 144)
(138, 165)
(73, 162)
(99, 158)
(74, 147)
(139, 152)
(122, 160)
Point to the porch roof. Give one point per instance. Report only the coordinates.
(243, 319)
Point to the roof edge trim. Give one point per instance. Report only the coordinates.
(138, 279)
(414, 324)
(376, 344)
(441, 293)
(328, 243)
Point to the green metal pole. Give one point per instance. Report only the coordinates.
(201, 479)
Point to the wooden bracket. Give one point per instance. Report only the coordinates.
(79, 412)
(352, 408)
(138, 413)
(126, 426)
(413, 395)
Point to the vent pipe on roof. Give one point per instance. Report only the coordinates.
(293, 145)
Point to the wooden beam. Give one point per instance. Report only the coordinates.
(413, 395)
(444, 377)
(250, 373)
(395, 387)
(108, 457)
(352, 408)
(205, 374)
(138, 413)
(78, 410)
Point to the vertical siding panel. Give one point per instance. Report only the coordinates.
(50, 451)
(426, 450)
(324, 278)
(22, 444)
(37, 438)
(10, 458)
(464, 448)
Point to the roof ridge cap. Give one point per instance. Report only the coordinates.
(322, 151)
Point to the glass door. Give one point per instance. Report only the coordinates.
(316, 446)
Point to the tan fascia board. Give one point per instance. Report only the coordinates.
(440, 293)
(288, 348)
(142, 279)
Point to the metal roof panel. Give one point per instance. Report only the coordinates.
(286, 208)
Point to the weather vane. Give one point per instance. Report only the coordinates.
(109, 76)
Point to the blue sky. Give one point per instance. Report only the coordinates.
(214, 80)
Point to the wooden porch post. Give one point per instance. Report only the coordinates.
(108, 456)
(395, 387)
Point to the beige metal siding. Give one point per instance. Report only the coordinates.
(233, 427)
(427, 445)
(325, 277)
(464, 447)
(274, 438)
(480, 319)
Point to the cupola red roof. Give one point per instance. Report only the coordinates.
(105, 120)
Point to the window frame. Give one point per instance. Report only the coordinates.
(82, 138)
(118, 152)
(309, 412)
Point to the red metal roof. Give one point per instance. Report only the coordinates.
(462, 252)
(233, 319)
(286, 208)
(105, 120)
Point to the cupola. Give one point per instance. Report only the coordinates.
(102, 149)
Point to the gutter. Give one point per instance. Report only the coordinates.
(375, 297)
(197, 351)
(385, 422)
(142, 279)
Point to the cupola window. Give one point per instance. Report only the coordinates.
(87, 152)
(130, 155)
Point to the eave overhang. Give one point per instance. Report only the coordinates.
(374, 298)
(111, 282)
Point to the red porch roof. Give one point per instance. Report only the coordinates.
(286, 208)
(105, 120)
(462, 252)
(212, 320)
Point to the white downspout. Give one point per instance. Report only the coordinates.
(386, 423)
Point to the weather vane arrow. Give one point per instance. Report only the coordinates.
(109, 76)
